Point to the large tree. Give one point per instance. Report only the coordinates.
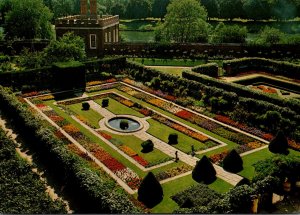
(257, 10)
(28, 19)
(231, 9)
(185, 21)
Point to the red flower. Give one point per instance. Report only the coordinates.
(113, 164)
(184, 114)
(140, 160)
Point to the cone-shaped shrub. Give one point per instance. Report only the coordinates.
(233, 162)
(173, 139)
(105, 103)
(204, 171)
(150, 191)
(279, 144)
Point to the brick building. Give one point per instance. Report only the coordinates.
(94, 29)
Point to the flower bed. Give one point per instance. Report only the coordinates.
(162, 175)
(218, 158)
(184, 114)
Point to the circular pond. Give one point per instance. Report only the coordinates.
(124, 124)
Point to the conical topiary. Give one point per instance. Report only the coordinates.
(279, 144)
(150, 191)
(204, 171)
(233, 162)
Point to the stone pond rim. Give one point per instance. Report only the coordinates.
(133, 124)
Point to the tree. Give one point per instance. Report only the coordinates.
(204, 171)
(159, 8)
(212, 7)
(184, 22)
(229, 34)
(67, 48)
(240, 199)
(118, 8)
(28, 19)
(85, 106)
(279, 144)
(5, 6)
(138, 9)
(150, 191)
(105, 103)
(233, 162)
(272, 120)
(62, 8)
(270, 36)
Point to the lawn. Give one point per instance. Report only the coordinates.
(119, 109)
(92, 116)
(171, 188)
(162, 132)
(177, 71)
(135, 144)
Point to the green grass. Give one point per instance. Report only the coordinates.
(119, 109)
(171, 70)
(167, 205)
(92, 116)
(162, 132)
(135, 144)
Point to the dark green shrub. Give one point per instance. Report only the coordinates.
(204, 171)
(85, 106)
(147, 146)
(105, 103)
(173, 139)
(124, 124)
(233, 162)
(150, 191)
(210, 69)
(279, 144)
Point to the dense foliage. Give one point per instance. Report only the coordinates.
(229, 34)
(22, 190)
(210, 69)
(28, 19)
(96, 192)
(147, 146)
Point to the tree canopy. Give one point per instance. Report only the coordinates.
(185, 22)
(28, 19)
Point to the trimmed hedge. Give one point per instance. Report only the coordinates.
(96, 192)
(234, 67)
(242, 90)
(210, 69)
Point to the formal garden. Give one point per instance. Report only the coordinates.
(182, 114)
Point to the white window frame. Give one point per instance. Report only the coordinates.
(94, 36)
(106, 37)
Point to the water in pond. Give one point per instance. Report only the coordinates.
(132, 124)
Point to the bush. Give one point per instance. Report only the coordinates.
(204, 171)
(105, 103)
(210, 69)
(270, 36)
(279, 144)
(147, 146)
(150, 191)
(233, 162)
(124, 124)
(85, 106)
(229, 34)
(173, 139)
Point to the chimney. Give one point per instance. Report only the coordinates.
(93, 7)
(83, 7)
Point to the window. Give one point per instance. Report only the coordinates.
(114, 35)
(117, 35)
(106, 39)
(93, 41)
(109, 37)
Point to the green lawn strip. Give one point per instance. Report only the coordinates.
(230, 143)
(119, 109)
(171, 188)
(135, 144)
(92, 116)
(249, 160)
(162, 132)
